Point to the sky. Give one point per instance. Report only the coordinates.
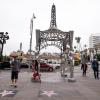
(81, 16)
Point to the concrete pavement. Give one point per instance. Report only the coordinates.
(52, 87)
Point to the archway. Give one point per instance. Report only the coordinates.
(54, 37)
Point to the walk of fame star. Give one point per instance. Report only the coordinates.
(48, 93)
(6, 93)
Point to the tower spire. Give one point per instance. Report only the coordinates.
(53, 17)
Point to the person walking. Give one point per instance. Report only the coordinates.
(95, 67)
(84, 67)
(15, 68)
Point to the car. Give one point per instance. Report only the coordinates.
(44, 67)
(54, 64)
(4, 65)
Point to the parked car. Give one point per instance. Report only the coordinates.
(54, 64)
(4, 65)
(45, 67)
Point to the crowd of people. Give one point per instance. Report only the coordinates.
(15, 69)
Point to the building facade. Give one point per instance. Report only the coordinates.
(94, 40)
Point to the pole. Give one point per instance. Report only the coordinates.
(1, 52)
(31, 32)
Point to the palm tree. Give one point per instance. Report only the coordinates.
(78, 42)
(85, 45)
(75, 48)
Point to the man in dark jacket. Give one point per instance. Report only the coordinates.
(95, 67)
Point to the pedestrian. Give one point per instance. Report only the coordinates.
(36, 66)
(95, 67)
(84, 67)
(36, 75)
(15, 68)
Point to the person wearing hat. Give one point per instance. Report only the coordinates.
(15, 67)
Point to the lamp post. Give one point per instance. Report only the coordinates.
(31, 31)
(3, 38)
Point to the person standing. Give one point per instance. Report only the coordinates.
(83, 64)
(15, 68)
(95, 67)
(36, 70)
(84, 68)
(36, 66)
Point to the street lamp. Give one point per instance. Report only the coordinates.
(3, 38)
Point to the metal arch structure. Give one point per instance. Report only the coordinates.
(53, 36)
(62, 40)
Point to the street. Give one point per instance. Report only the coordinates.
(52, 86)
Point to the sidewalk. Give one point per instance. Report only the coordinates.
(52, 87)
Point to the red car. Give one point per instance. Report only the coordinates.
(45, 66)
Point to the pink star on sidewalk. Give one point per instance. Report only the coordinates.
(48, 93)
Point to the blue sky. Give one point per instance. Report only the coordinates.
(81, 16)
